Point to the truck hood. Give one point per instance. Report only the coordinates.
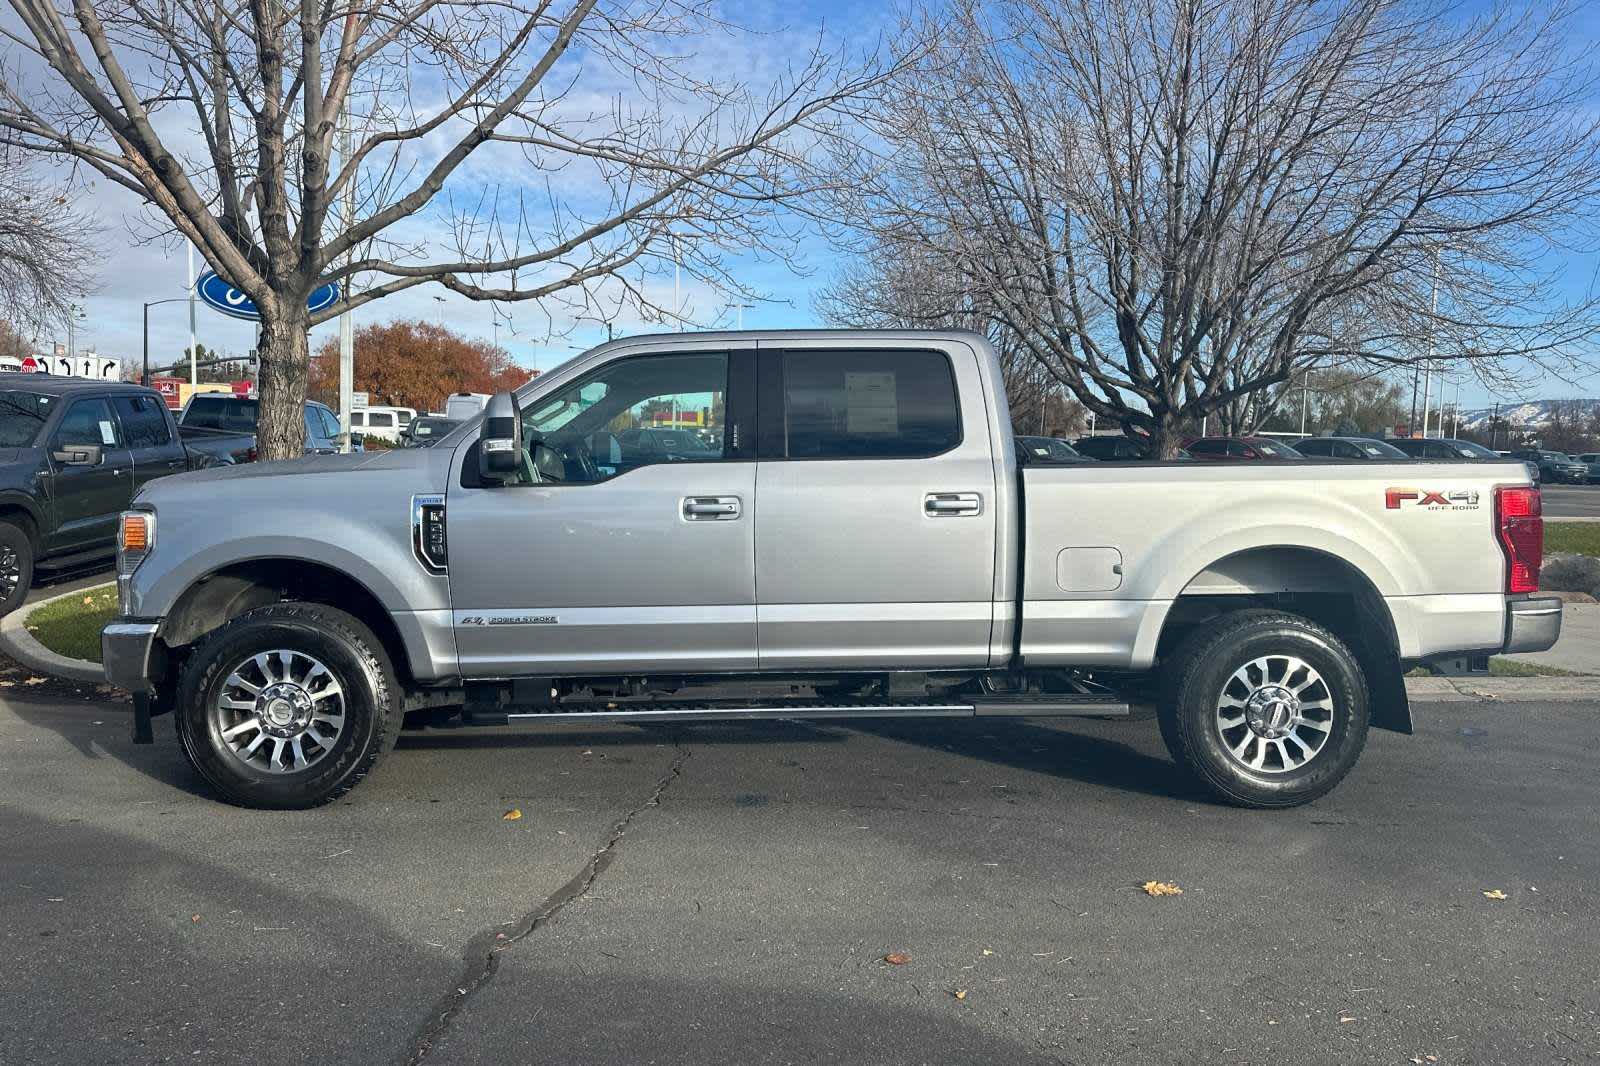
(341, 479)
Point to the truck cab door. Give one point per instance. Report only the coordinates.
(875, 510)
(89, 498)
(603, 557)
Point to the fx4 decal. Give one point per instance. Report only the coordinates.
(1452, 500)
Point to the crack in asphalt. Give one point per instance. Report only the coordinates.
(483, 951)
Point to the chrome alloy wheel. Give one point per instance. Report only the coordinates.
(10, 572)
(280, 711)
(1275, 714)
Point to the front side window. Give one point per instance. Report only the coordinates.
(144, 421)
(628, 414)
(1208, 447)
(89, 422)
(869, 405)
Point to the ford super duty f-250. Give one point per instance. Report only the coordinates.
(803, 525)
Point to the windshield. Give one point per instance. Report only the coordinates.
(1468, 450)
(22, 416)
(1376, 449)
(1277, 451)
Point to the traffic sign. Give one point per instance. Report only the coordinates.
(30, 365)
(220, 295)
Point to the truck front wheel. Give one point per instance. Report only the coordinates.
(1265, 708)
(287, 706)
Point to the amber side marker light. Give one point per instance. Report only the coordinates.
(134, 535)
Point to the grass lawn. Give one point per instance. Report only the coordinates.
(1582, 538)
(71, 626)
(1499, 667)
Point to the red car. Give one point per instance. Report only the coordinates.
(1241, 448)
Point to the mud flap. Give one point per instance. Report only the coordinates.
(1386, 685)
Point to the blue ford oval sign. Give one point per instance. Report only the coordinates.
(219, 295)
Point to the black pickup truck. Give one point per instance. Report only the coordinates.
(73, 453)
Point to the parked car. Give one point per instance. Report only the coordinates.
(238, 414)
(1592, 461)
(861, 543)
(1555, 466)
(425, 431)
(1240, 448)
(389, 423)
(1047, 450)
(1364, 449)
(1111, 449)
(1444, 448)
(1451, 449)
(73, 453)
(464, 405)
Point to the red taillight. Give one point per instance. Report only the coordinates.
(1519, 519)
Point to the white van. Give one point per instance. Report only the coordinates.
(385, 422)
(464, 405)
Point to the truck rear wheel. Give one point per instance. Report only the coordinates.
(1265, 708)
(287, 706)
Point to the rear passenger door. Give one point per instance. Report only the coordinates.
(148, 433)
(874, 514)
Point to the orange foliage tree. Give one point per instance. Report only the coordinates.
(415, 364)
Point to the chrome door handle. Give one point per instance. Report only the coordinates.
(711, 508)
(952, 504)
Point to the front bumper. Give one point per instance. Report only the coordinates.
(1532, 625)
(133, 656)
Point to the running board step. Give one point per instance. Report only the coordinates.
(989, 707)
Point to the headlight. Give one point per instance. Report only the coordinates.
(136, 538)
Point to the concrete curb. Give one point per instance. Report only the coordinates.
(17, 642)
(1503, 689)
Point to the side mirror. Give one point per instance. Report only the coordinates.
(500, 443)
(78, 455)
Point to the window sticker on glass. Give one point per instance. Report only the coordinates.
(870, 404)
(108, 435)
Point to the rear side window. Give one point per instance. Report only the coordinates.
(144, 421)
(381, 420)
(869, 405)
(1208, 447)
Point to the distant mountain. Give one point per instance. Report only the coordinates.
(1531, 413)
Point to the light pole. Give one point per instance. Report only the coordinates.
(144, 379)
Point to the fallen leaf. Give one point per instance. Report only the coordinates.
(1495, 893)
(986, 951)
(89, 600)
(960, 993)
(512, 815)
(35, 681)
(897, 958)
(1342, 1021)
(194, 917)
(1161, 888)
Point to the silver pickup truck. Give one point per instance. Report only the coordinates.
(803, 525)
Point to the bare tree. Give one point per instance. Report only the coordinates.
(1176, 204)
(899, 290)
(225, 116)
(45, 248)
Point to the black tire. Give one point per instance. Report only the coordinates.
(1203, 666)
(16, 566)
(371, 701)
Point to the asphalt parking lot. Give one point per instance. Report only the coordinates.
(728, 894)
(1571, 501)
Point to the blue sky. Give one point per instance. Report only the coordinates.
(133, 271)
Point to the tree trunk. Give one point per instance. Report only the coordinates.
(1166, 437)
(281, 429)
